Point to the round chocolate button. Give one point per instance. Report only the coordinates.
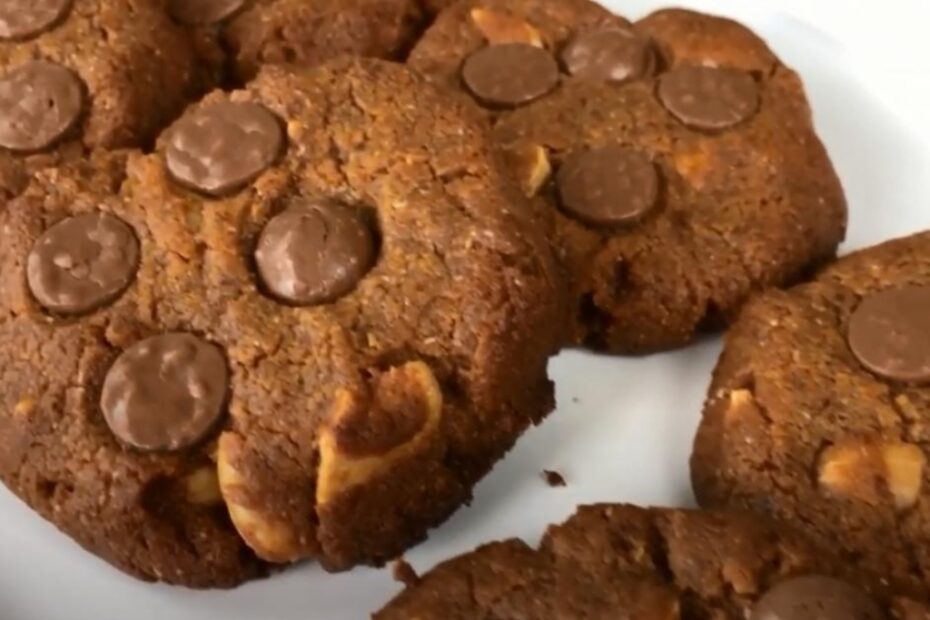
(608, 186)
(39, 102)
(709, 97)
(82, 263)
(311, 254)
(889, 333)
(221, 147)
(608, 54)
(24, 19)
(203, 12)
(510, 74)
(166, 392)
(815, 598)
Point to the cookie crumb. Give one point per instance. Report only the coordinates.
(404, 573)
(554, 478)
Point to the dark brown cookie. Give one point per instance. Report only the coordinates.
(246, 34)
(674, 164)
(816, 415)
(84, 74)
(319, 361)
(613, 561)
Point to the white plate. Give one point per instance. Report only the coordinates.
(623, 428)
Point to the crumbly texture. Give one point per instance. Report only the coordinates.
(740, 210)
(354, 426)
(796, 428)
(613, 561)
(138, 70)
(308, 33)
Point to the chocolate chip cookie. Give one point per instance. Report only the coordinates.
(245, 34)
(673, 160)
(303, 327)
(83, 74)
(613, 561)
(818, 411)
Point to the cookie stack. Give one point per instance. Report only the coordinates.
(269, 295)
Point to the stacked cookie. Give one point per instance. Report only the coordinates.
(264, 300)
(673, 161)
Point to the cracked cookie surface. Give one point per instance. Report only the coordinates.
(818, 411)
(614, 561)
(673, 160)
(193, 395)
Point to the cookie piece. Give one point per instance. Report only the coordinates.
(334, 324)
(84, 74)
(673, 161)
(246, 34)
(615, 561)
(817, 408)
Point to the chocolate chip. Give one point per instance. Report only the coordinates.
(609, 54)
(24, 19)
(82, 263)
(39, 102)
(608, 186)
(221, 147)
(889, 333)
(814, 597)
(314, 253)
(166, 392)
(709, 97)
(510, 74)
(203, 12)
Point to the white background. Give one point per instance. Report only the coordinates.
(623, 428)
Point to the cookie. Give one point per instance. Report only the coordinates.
(816, 412)
(434, 7)
(673, 160)
(77, 75)
(243, 35)
(303, 327)
(615, 561)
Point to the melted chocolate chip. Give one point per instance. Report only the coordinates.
(608, 186)
(39, 102)
(815, 598)
(82, 263)
(203, 12)
(510, 74)
(314, 253)
(221, 147)
(25, 19)
(889, 333)
(609, 54)
(709, 97)
(166, 392)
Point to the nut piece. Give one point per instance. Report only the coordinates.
(873, 472)
(25, 406)
(500, 28)
(270, 538)
(530, 166)
(349, 458)
(202, 487)
(904, 468)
